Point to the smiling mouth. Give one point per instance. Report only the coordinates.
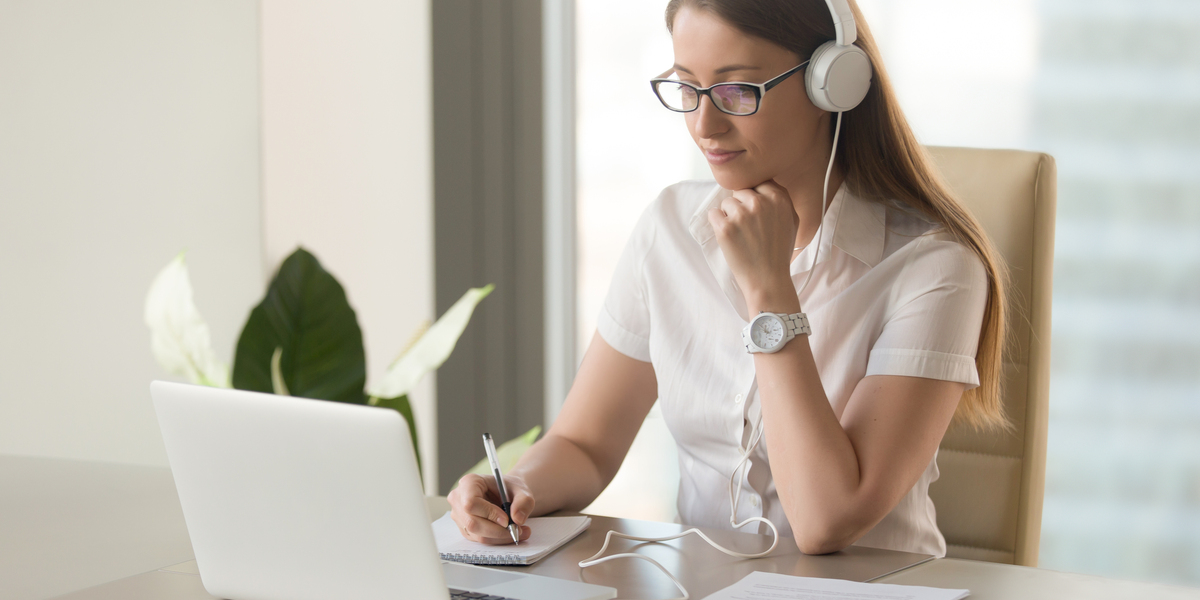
(722, 156)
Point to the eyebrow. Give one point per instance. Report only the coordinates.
(724, 69)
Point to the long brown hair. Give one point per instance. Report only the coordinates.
(881, 159)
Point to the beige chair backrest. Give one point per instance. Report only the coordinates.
(989, 496)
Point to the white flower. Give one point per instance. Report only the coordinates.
(179, 336)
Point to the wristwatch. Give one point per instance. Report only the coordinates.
(769, 332)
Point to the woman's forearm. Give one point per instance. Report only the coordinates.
(560, 475)
(577, 458)
(823, 495)
(838, 475)
(582, 452)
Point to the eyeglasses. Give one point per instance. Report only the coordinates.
(733, 98)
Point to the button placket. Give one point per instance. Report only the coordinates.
(747, 423)
(751, 410)
(739, 410)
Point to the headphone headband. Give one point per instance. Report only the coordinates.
(843, 21)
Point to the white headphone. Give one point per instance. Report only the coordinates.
(837, 80)
(839, 73)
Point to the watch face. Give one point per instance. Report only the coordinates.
(767, 332)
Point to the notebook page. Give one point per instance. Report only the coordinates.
(547, 534)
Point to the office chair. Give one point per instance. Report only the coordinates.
(989, 495)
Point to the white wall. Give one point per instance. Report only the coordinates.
(129, 130)
(132, 129)
(347, 170)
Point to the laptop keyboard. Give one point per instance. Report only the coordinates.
(461, 595)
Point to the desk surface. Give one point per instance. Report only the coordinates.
(991, 581)
(97, 531)
(66, 525)
(701, 568)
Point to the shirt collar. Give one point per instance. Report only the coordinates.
(858, 230)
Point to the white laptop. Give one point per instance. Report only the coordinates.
(287, 498)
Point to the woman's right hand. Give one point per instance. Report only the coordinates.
(475, 508)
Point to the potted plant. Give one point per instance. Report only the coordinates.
(303, 340)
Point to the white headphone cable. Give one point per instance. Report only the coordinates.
(837, 131)
(740, 472)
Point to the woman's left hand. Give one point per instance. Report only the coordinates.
(756, 229)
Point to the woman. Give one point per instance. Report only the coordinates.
(904, 301)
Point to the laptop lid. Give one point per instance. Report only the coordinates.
(296, 499)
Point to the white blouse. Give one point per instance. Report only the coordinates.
(892, 294)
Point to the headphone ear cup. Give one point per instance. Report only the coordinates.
(837, 77)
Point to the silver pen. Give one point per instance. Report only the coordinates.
(505, 503)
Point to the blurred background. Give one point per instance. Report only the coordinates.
(237, 130)
(419, 147)
(1111, 89)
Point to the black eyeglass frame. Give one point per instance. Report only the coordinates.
(760, 90)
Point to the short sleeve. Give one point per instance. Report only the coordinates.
(624, 321)
(933, 329)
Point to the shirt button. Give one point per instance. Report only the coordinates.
(754, 501)
(738, 399)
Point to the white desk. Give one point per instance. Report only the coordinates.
(95, 531)
(991, 581)
(68, 525)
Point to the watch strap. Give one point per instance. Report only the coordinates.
(797, 324)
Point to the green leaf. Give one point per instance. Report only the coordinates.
(508, 453)
(305, 312)
(179, 336)
(432, 349)
(402, 406)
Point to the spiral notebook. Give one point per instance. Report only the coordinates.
(547, 535)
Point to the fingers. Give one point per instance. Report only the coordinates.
(771, 189)
(764, 198)
(742, 207)
(774, 193)
(735, 207)
(717, 218)
(479, 519)
(522, 505)
(484, 509)
(485, 521)
(506, 539)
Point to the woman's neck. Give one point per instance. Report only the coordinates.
(806, 179)
(805, 190)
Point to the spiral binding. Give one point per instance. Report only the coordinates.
(483, 559)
